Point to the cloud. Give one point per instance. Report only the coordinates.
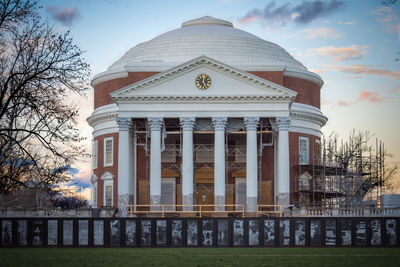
(364, 96)
(343, 103)
(395, 89)
(369, 96)
(302, 13)
(81, 180)
(321, 32)
(66, 16)
(339, 53)
(366, 70)
(388, 18)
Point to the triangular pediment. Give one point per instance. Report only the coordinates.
(227, 82)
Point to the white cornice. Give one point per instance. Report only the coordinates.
(304, 74)
(282, 93)
(202, 99)
(96, 118)
(318, 118)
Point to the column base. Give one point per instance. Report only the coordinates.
(251, 204)
(155, 200)
(123, 200)
(219, 200)
(187, 200)
(282, 199)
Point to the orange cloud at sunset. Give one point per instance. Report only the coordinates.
(369, 96)
(363, 69)
(340, 53)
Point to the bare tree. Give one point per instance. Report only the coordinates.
(361, 164)
(39, 69)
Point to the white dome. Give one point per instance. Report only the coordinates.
(208, 36)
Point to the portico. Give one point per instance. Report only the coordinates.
(217, 115)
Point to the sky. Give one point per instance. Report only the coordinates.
(352, 45)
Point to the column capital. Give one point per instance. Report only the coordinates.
(187, 123)
(155, 123)
(124, 124)
(251, 123)
(283, 123)
(219, 124)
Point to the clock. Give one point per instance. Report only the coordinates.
(203, 81)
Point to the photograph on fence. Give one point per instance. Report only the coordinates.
(22, 239)
(161, 235)
(390, 239)
(176, 233)
(207, 231)
(376, 232)
(130, 233)
(191, 233)
(269, 232)
(238, 233)
(98, 232)
(6, 233)
(145, 233)
(361, 233)
(254, 233)
(37, 233)
(222, 232)
(52, 232)
(330, 233)
(68, 230)
(284, 232)
(115, 232)
(345, 232)
(315, 232)
(83, 232)
(300, 232)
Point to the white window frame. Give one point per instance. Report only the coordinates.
(95, 153)
(307, 161)
(112, 152)
(108, 179)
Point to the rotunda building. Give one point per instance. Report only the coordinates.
(206, 114)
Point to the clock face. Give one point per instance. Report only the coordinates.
(203, 81)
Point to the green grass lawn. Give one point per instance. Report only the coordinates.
(337, 257)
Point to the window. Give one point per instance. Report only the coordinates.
(94, 154)
(108, 179)
(108, 151)
(108, 196)
(303, 150)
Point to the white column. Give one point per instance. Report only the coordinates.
(219, 161)
(251, 163)
(187, 125)
(155, 125)
(283, 179)
(125, 190)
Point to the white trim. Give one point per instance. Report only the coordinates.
(107, 176)
(105, 164)
(95, 154)
(307, 159)
(94, 194)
